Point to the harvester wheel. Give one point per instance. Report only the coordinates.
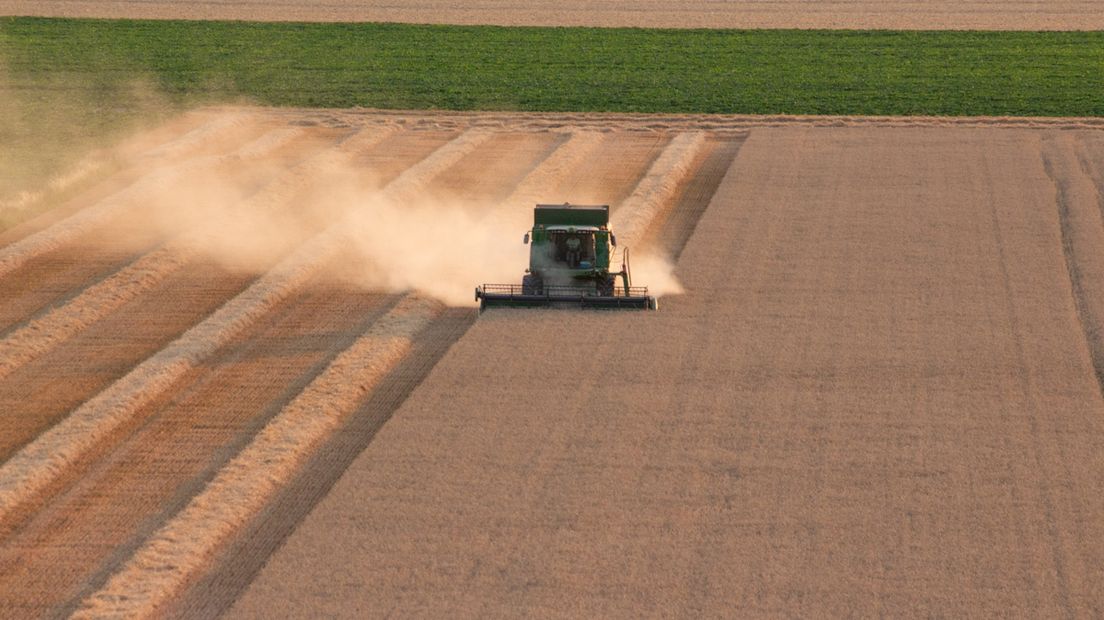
(605, 288)
(531, 285)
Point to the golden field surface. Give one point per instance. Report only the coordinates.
(242, 373)
(834, 14)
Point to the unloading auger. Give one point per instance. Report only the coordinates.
(570, 249)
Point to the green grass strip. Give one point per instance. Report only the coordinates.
(572, 69)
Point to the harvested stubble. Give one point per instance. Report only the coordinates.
(173, 556)
(538, 186)
(879, 330)
(39, 463)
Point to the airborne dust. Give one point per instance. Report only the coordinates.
(248, 209)
(56, 130)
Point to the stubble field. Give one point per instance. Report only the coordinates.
(242, 373)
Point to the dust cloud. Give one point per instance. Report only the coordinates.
(430, 244)
(657, 273)
(55, 131)
(444, 249)
(247, 209)
(438, 248)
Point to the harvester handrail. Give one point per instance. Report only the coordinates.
(557, 291)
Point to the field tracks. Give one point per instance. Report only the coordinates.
(42, 461)
(16, 254)
(168, 560)
(183, 547)
(1081, 219)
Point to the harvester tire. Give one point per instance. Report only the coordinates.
(605, 288)
(531, 285)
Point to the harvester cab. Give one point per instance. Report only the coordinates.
(570, 252)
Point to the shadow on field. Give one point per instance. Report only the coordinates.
(670, 233)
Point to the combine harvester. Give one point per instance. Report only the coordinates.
(569, 264)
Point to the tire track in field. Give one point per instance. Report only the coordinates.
(165, 563)
(1082, 230)
(1029, 392)
(1084, 159)
(45, 459)
(1081, 226)
(156, 182)
(97, 301)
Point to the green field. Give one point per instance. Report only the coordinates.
(67, 86)
(575, 69)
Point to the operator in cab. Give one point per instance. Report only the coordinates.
(574, 247)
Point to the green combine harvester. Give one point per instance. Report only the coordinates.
(569, 264)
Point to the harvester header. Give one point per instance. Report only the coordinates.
(570, 252)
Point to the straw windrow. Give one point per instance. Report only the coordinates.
(655, 190)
